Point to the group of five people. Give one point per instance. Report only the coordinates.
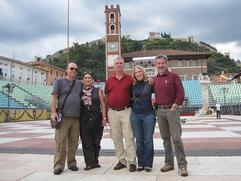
(126, 104)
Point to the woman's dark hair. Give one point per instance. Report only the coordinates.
(87, 72)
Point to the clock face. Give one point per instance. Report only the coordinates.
(112, 46)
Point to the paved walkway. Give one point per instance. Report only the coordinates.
(212, 146)
(32, 167)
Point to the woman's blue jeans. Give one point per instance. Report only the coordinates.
(143, 127)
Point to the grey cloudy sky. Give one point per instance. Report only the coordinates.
(31, 28)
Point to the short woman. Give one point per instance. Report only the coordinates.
(92, 121)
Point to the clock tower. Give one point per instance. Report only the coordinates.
(113, 37)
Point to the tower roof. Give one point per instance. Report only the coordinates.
(112, 8)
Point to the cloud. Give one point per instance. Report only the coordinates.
(39, 27)
(232, 48)
(29, 20)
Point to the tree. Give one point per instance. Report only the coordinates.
(218, 62)
(91, 56)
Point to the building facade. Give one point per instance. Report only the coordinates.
(187, 64)
(20, 72)
(53, 71)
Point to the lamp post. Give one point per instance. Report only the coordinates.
(224, 98)
(8, 88)
(68, 34)
(11, 72)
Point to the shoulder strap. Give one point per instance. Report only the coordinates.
(72, 85)
(142, 94)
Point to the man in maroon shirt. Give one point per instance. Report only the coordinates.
(169, 93)
(118, 97)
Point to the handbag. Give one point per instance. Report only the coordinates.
(55, 124)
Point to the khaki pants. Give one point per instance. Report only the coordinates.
(120, 126)
(66, 140)
(171, 131)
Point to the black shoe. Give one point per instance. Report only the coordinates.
(89, 168)
(139, 169)
(58, 171)
(132, 168)
(97, 166)
(119, 166)
(148, 169)
(73, 168)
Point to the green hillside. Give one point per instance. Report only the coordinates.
(91, 57)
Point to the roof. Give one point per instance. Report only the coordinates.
(20, 62)
(46, 64)
(171, 54)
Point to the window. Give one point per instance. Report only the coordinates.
(13, 73)
(5, 72)
(188, 63)
(112, 29)
(51, 71)
(179, 63)
(57, 74)
(194, 63)
(112, 17)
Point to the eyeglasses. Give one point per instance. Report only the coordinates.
(72, 68)
(87, 72)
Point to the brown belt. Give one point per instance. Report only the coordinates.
(164, 106)
(119, 109)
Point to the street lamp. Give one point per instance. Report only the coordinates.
(224, 98)
(68, 59)
(8, 88)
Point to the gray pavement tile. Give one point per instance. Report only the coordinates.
(199, 178)
(15, 174)
(47, 175)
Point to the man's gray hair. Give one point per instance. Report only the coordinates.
(161, 56)
(118, 58)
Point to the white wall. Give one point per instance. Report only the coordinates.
(19, 73)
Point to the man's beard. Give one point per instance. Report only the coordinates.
(161, 71)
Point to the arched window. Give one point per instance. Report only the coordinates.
(112, 29)
(112, 17)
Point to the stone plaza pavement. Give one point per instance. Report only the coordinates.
(212, 146)
(33, 167)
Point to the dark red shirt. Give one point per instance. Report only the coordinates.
(168, 89)
(119, 91)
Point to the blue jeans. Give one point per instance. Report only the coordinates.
(143, 127)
